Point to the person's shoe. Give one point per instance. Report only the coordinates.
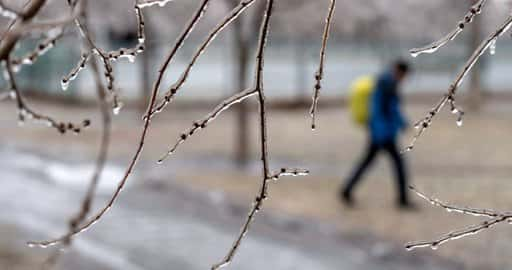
(407, 206)
(346, 198)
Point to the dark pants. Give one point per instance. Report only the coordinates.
(399, 169)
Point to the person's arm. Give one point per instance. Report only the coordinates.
(397, 113)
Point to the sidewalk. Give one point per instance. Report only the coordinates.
(467, 166)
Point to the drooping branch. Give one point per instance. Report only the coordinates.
(433, 47)
(101, 160)
(156, 86)
(258, 84)
(27, 113)
(422, 125)
(319, 75)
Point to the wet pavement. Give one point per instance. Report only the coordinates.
(158, 224)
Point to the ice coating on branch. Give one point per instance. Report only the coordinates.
(449, 97)
(7, 12)
(201, 124)
(432, 48)
(148, 3)
(468, 18)
(66, 80)
(492, 47)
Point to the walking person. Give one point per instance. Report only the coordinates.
(384, 122)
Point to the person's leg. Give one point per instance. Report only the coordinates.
(356, 175)
(400, 172)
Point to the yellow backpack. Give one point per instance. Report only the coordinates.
(359, 99)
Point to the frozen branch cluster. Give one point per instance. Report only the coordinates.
(492, 218)
(488, 44)
(101, 63)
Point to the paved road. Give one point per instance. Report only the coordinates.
(159, 225)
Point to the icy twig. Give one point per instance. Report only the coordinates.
(41, 49)
(233, 15)
(198, 125)
(7, 12)
(463, 210)
(458, 234)
(320, 72)
(71, 76)
(494, 217)
(148, 3)
(26, 113)
(449, 97)
(131, 53)
(178, 44)
(258, 84)
(433, 47)
(289, 172)
(85, 207)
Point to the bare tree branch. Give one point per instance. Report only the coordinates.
(198, 125)
(181, 39)
(27, 113)
(258, 84)
(235, 12)
(433, 47)
(449, 97)
(320, 72)
(463, 210)
(457, 234)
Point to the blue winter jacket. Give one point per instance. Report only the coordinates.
(386, 119)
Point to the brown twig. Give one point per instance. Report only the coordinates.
(320, 72)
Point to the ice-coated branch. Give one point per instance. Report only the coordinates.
(452, 208)
(289, 172)
(201, 124)
(148, 3)
(131, 53)
(101, 160)
(494, 218)
(233, 15)
(198, 14)
(7, 12)
(422, 125)
(26, 113)
(320, 72)
(468, 18)
(71, 76)
(39, 50)
(258, 84)
(454, 235)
